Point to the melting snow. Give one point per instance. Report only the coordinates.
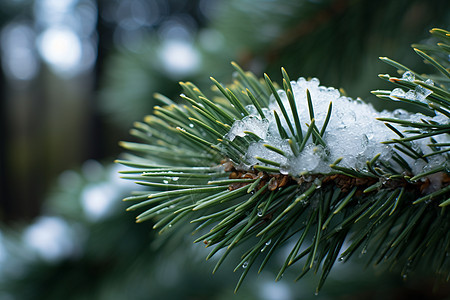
(353, 132)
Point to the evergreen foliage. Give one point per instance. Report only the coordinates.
(192, 174)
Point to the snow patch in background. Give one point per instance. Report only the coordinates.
(52, 238)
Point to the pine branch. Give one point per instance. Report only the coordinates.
(262, 168)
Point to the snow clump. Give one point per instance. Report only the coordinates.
(353, 133)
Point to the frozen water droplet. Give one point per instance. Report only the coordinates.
(397, 93)
(245, 265)
(166, 181)
(429, 82)
(314, 82)
(410, 95)
(400, 113)
(408, 76)
(421, 93)
(175, 178)
(249, 123)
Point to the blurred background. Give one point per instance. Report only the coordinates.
(76, 74)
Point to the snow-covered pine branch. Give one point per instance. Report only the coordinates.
(301, 168)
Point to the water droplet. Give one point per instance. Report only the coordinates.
(170, 225)
(318, 183)
(260, 212)
(404, 276)
(191, 125)
(284, 170)
(268, 242)
(316, 293)
(340, 259)
(166, 181)
(408, 76)
(175, 178)
(245, 264)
